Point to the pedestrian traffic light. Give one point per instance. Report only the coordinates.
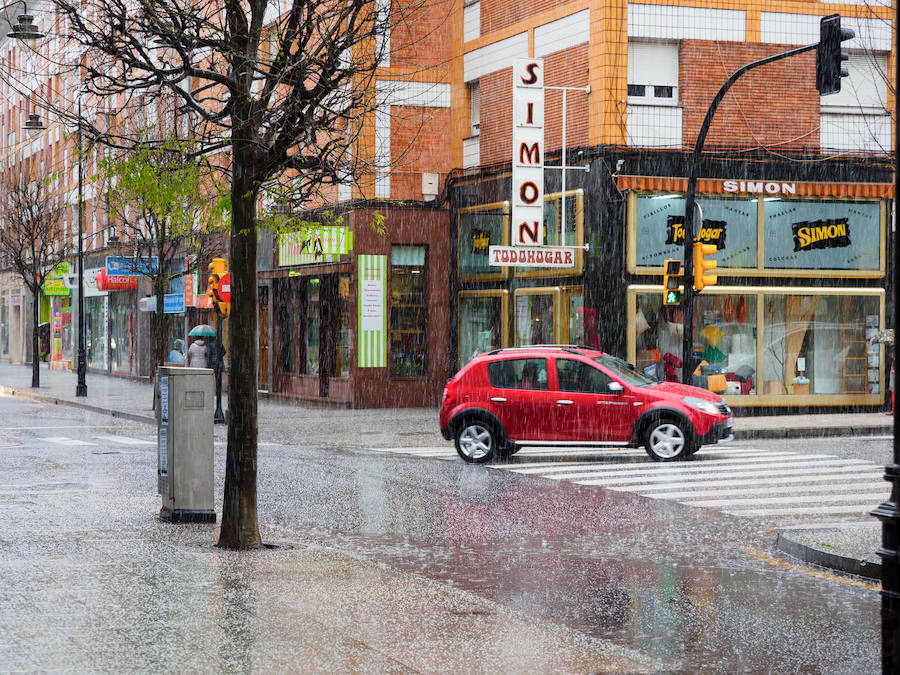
(217, 269)
(829, 57)
(672, 279)
(702, 265)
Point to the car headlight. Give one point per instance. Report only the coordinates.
(710, 407)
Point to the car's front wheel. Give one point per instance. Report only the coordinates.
(476, 441)
(667, 440)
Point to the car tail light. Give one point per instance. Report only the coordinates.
(448, 396)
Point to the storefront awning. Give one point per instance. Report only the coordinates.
(746, 187)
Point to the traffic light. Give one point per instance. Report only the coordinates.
(702, 265)
(217, 269)
(672, 280)
(829, 57)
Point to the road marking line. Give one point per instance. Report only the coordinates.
(879, 496)
(848, 509)
(62, 440)
(805, 477)
(770, 560)
(637, 481)
(640, 467)
(762, 490)
(126, 440)
(710, 469)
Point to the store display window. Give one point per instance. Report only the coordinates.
(535, 318)
(656, 230)
(766, 345)
(409, 311)
(344, 354)
(95, 322)
(482, 323)
(310, 336)
(823, 235)
(554, 235)
(481, 227)
(819, 344)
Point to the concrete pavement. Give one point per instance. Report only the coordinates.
(848, 547)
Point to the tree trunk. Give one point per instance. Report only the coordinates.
(240, 528)
(35, 338)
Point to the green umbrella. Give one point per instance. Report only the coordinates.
(204, 330)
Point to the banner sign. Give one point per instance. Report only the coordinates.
(131, 266)
(56, 286)
(312, 244)
(372, 311)
(528, 148)
(116, 282)
(173, 303)
(532, 256)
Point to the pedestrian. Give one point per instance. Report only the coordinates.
(196, 356)
(177, 353)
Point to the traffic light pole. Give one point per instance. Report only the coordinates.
(688, 363)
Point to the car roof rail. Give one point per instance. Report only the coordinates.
(567, 348)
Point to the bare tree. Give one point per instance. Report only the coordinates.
(31, 242)
(276, 87)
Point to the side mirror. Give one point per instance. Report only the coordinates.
(615, 388)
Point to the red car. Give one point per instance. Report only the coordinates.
(568, 395)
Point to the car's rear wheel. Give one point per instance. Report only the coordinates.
(476, 441)
(667, 440)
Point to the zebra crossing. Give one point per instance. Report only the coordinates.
(747, 482)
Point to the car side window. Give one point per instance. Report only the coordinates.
(518, 373)
(583, 377)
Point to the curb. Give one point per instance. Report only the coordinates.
(77, 404)
(812, 432)
(813, 556)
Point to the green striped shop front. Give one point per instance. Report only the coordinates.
(372, 311)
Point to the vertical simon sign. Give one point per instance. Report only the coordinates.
(528, 153)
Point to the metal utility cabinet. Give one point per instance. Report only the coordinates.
(185, 444)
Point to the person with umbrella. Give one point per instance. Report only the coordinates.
(197, 352)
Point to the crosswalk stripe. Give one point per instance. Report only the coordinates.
(63, 440)
(641, 467)
(791, 499)
(636, 481)
(710, 469)
(762, 490)
(801, 511)
(126, 440)
(805, 477)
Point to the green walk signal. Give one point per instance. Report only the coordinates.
(672, 297)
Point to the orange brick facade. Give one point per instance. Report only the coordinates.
(774, 105)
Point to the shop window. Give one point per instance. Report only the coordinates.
(343, 356)
(287, 307)
(310, 338)
(482, 323)
(481, 227)
(563, 225)
(819, 345)
(408, 311)
(536, 316)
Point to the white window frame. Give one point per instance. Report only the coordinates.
(640, 52)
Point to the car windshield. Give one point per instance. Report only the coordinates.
(624, 371)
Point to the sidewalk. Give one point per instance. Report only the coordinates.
(848, 547)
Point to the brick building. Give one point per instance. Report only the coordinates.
(787, 324)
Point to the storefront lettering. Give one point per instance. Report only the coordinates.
(759, 187)
(506, 256)
(712, 232)
(831, 233)
(481, 239)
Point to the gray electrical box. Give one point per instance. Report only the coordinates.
(185, 444)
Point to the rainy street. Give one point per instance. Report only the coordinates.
(675, 587)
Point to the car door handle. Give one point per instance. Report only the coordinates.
(498, 399)
(565, 401)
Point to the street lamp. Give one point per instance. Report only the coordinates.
(81, 385)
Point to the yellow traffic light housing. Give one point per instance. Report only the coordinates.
(217, 269)
(672, 279)
(702, 265)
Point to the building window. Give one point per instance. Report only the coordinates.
(653, 73)
(475, 108)
(408, 311)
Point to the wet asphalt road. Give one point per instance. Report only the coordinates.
(693, 588)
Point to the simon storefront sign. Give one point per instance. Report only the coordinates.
(528, 153)
(821, 234)
(759, 187)
(712, 232)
